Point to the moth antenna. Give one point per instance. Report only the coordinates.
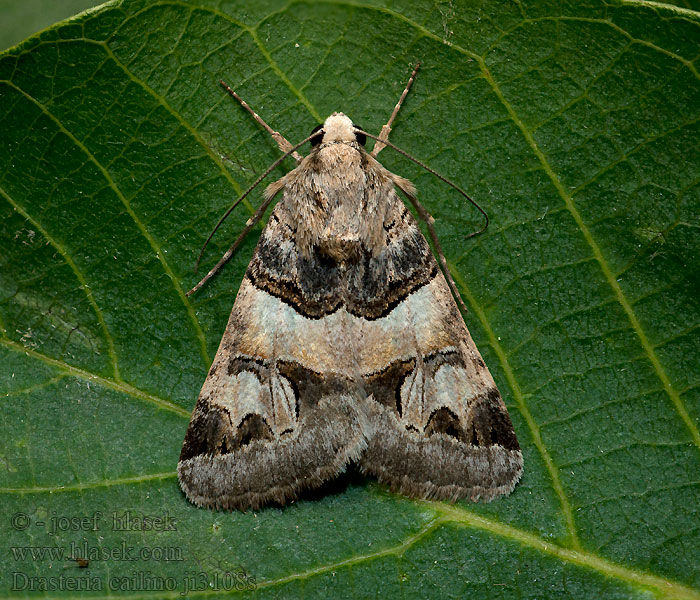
(229, 253)
(249, 224)
(386, 129)
(282, 141)
(440, 177)
(429, 221)
(428, 218)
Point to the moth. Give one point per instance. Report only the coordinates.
(345, 345)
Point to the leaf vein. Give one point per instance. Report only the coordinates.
(119, 386)
(89, 485)
(524, 410)
(607, 271)
(149, 238)
(575, 556)
(81, 278)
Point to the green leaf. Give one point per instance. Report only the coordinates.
(20, 19)
(575, 125)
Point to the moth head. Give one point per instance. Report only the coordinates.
(338, 128)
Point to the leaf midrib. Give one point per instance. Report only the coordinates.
(444, 514)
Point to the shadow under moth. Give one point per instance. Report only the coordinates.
(345, 345)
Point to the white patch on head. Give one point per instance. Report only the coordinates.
(338, 128)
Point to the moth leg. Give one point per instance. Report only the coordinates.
(250, 223)
(282, 142)
(384, 134)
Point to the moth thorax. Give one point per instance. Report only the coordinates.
(349, 244)
(338, 204)
(340, 250)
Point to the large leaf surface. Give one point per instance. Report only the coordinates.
(574, 124)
